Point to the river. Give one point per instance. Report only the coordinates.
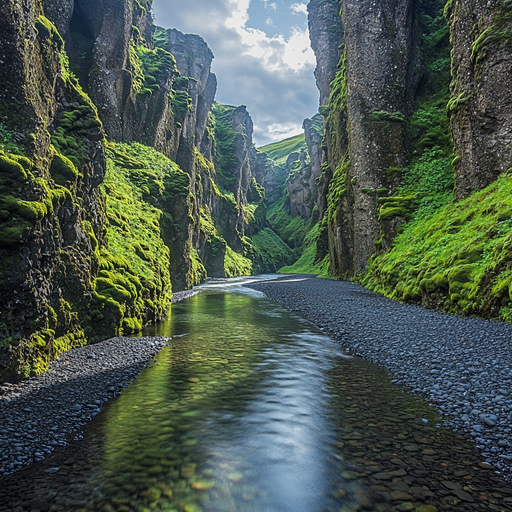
(250, 407)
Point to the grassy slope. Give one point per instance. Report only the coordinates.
(306, 263)
(279, 151)
(458, 259)
(134, 282)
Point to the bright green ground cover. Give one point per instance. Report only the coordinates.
(279, 151)
(271, 253)
(306, 263)
(458, 259)
(134, 282)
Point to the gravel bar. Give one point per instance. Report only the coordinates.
(40, 414)
(462, 366)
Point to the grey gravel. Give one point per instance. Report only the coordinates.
(179, 296)
(462, 366)
(42, 413)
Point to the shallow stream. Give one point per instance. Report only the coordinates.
(252, 408)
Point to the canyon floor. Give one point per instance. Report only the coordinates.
(462, 366)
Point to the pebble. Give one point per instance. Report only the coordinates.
(462, 366)
(39, 414)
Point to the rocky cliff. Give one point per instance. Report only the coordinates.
(52, 162)
(326, 33)
(371, 102)
(480, 108)
(413, 192)
(121, 180)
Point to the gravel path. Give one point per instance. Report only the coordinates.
(39, 414)
(462, 366)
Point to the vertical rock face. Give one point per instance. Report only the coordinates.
(304, 168)
(326, 33)
(271, 176)
(193, 60)
(302, 198)
(380, 59)
(104, 40)
(52, 211)
(314, 132)
(480, 108)
(372, 98)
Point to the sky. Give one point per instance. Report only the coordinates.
(263, 57)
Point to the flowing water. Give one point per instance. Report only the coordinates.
(252, 408)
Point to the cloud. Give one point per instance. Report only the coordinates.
(269, 22)
(270, 5)
(273, 76)
(299, 8)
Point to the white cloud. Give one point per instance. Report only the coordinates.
(269, 22)
(277, 52)
(270, 5)
(299, 8)
(281, 131)
(273, 76)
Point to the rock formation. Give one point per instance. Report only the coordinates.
(97, 226)
(480, 108)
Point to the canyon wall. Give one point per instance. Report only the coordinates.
(121, 179)
(480, 108)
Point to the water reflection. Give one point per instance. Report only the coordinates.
(231, 417)
(252, 408)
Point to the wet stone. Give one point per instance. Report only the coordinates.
(169, 443)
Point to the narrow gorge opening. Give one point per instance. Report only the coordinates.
(131, 172)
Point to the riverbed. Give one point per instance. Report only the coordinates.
(251, 407)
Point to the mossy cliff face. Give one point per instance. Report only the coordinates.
(95, 232)
(121, 62)
(303, 168)
(193, 59)
(371, 99)
(52, 211)
(480, 108)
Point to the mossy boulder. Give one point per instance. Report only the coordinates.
(12, 169)
(63, 171)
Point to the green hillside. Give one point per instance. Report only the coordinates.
(279, 151)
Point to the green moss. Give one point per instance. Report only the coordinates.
(456, 103)
(197, 273)
(225, 142)
(63, 171)
(498, 32)
(236, 265)
(386, 117)
(46, 30)
(10, 237)
(459, 255)
(31, 211)
(134, 281)
(11, 168)
(306, 263)
(270, 252)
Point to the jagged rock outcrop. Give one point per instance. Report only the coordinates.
(51, 209)
(109, 42)
(314, 133)
(371, 101)
(301, 196)
(480, 107)
(304, 169)
(193, 60)
(326, 34)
